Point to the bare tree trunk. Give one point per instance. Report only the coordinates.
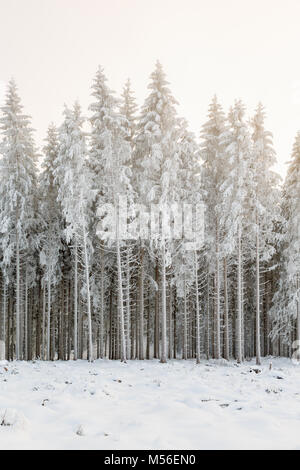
(43, 321)
(226, 320)
(217, 284)
(49, 317)
(198, 350)
(141, 306)
(163, 358)
(26, 314)
(18, 297)
(156, 319)
(239, 302)
(170, 322)
(128, 312)
(174, 333)
(258, 357)
(207, 320)
(88, 297)
(120, 295)
(38, 323)
(3, 322)
(298, 311)
(184, 321)
(75, 301)
(148, 328)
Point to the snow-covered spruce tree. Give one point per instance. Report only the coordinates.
(156, 162)
(238, 149)
(52, 234)
(128, 109)
(262, 210)
(75, 194)
(18, 216)
(285, 311)
(213, 177)
(187, 192)
(110, 156)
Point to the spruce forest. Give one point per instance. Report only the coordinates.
(67, 293)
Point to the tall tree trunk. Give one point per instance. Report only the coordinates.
(18, 296)
(239, 302)
(43, 321)
(170, 322)
(298, 310)
(148, 327)
(141, 305)
(88, 296)
(38, 323)
(128, 310)
(3, 322)
(49, 317)
(163, 358)
(174, 331)
(217, 284)
(156, 315)
(26, 314)
(184, 321)
(208, 319)
(258, 358)
(226, 320)
(75, 301)
(120, 295)
(198, 352)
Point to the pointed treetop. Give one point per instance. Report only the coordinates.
(237, 112)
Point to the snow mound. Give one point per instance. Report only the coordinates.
(9, 417)
(220, 362)
(80, 431)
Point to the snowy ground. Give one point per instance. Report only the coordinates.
(148, 405)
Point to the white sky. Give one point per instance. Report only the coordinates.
(245, 49)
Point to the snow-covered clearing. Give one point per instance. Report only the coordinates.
(148, 405)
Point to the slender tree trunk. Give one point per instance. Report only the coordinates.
(208, 320)
(174, 331)
(185, 345)
(18, 296)
(258, 358)
(75, 301)
(170, 322)
(110, 326)
(163, 358)
(217, 274)
(3, 322)
(141, 306)
(43, 321)
(11, 328)
(226, 320)
(128, 312)
(120, 295)
(49, 317)
(88, 297)
(38, 323)
(26, 314)
(148, 328)
(298, 310)
(239, 302)
(198, 351)
(156, 315)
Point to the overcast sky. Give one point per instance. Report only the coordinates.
(245, 49)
